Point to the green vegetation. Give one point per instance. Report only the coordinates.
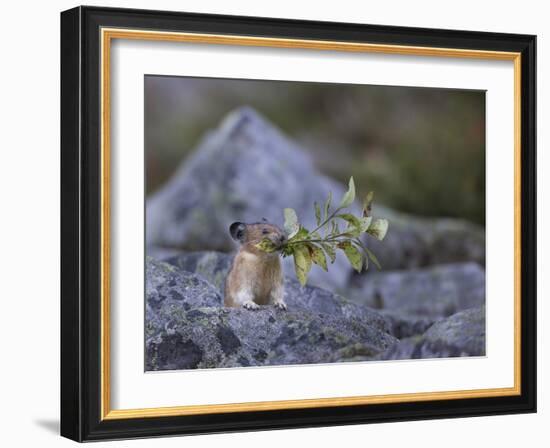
(315, 246)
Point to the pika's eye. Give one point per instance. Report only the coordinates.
(265, 232)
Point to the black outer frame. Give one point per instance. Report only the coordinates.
(80, 224)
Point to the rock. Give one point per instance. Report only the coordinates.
(214, 266)
(465, 330)
(311, 298)
(244, 171)
(247, 170)
(414, 241)
(403, 325)
(166, 286)
(187, 328)
(223, 337)
(433, 292)
(162, 253)
(462, 334)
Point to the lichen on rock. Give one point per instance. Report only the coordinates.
(195, 331)
(462, 334)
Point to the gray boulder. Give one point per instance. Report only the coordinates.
(414, 241)
(162, 253)
(462, 334)
(187, 327)
(247, 170)
(222, 337)
(403, 325)
(433, 292)
(214, 266)
(465, 330)
(166, 287)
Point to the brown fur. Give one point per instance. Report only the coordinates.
(256, 277)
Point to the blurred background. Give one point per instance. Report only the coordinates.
(421, 149)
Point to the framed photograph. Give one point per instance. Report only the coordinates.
(277, 224)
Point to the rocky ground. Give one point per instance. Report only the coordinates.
(428, 301)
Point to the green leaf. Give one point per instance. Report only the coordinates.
(301, 234)
(365, 259)
(318, 256)
(368, 253)
(317, 247)
(329, 249)
(302, 263)
(378, 228)
(365, 223)
(372, 257)
(352, 219)
(327, 204)
(317, 213)
(367, 203)
(356, 226)
(354, 256)
(291, 225)
(349, 196)
(287, 250)
(266, 245)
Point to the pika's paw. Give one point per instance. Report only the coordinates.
(280, 305)
(250, 305)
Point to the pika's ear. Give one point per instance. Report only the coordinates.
(237, 230)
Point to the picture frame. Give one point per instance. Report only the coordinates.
(86, 206)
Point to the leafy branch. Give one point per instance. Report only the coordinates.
(315, 246)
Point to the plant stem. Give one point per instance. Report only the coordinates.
(318, 240)
(326, 221)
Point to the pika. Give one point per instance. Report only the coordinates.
(256, 277)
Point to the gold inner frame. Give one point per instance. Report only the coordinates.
(107, 35)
